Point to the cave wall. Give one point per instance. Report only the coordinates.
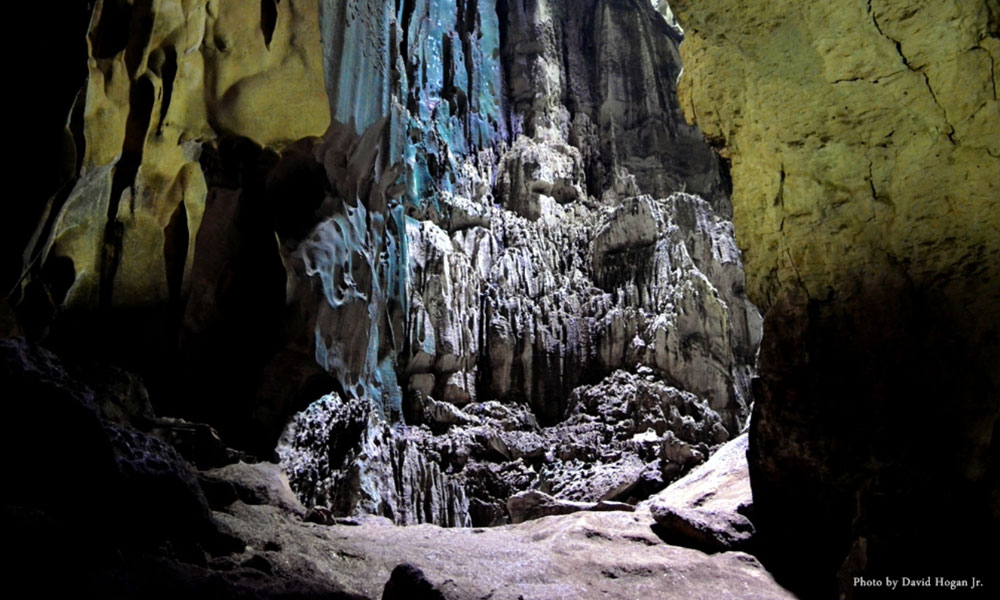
(866, 195)
(155, 247)
(434, 235)
(164, 80)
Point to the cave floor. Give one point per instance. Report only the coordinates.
(577, 556)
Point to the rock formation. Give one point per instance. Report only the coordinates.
(866, 193)
(543, 260)
(711, 507)
(439, 252)
(152, 236)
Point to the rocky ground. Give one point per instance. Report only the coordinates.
(152, 524)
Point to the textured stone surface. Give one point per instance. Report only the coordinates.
(256, 483)
(860, 138)
(704, 530)
(710, 507)
(130, 491)
(555, 311)
(162, 81)
(150, 533)
(483, 205)
(155, 236)
(583, 555)
(659, 285)
(722, 483)
(600, 76)
(621, 440)
(533, 263)
(865, 190)
(345, 457)
(525, 506)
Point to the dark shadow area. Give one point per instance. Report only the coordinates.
(873, 446)
(268, 19)
(48, 158)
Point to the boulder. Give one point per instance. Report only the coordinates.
(533, 504)
(709, 508)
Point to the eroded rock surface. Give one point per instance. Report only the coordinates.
(583, 555)
(711, 507)
(566, 317)
(525, 506)
(163, 81)
(866, 194)
(468, 249)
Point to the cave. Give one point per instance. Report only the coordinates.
(526, 299)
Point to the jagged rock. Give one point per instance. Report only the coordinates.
(865, 171)
(533, 504)
(160, 496)
(600, 76)
(344, 456)
(624, 439)
(445, 315)
(276, 555)
(665, 294)
(512, 292)
(130, 489)
(490, 215)
(205, 246)
(627, 437)
(446, 413)
(535, 175)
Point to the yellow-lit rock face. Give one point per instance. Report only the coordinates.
(864, 139)
(164, 80)
(860, 133)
